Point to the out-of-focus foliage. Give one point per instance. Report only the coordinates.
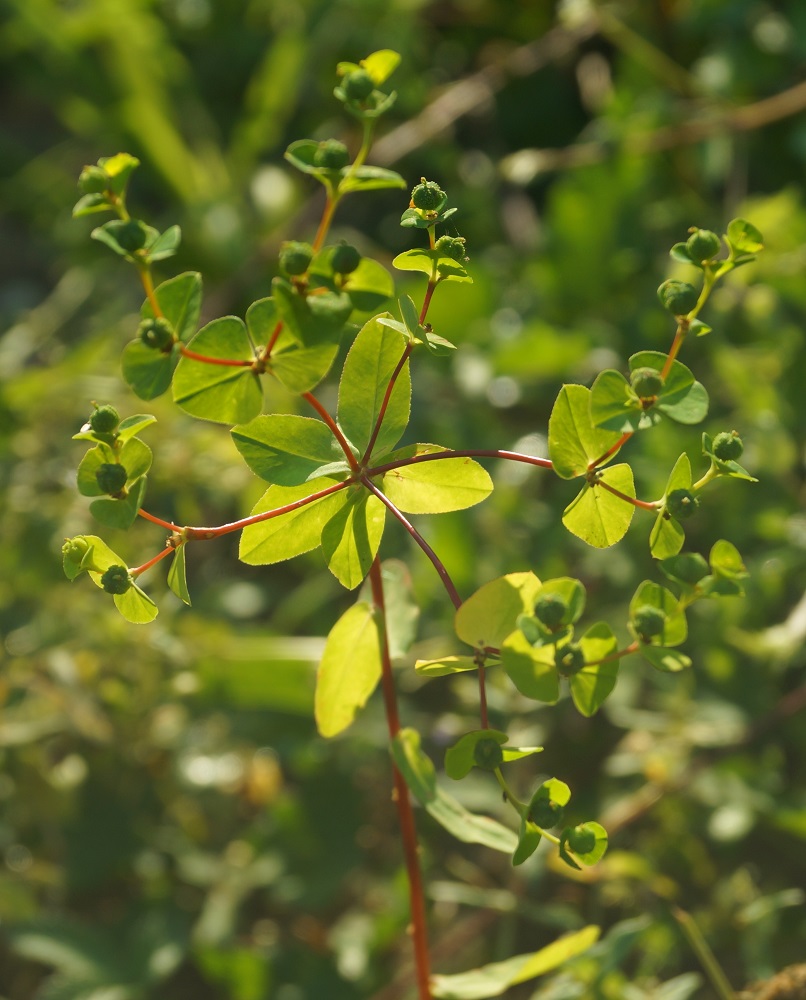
(170, 824)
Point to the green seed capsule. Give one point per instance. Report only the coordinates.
(157, 333)
(550, 610)
(111, 477)
(75, 548)
(581, 840)
(104, 419)
(487, 753)
(678, 296)
(569, 660)
(358, 85)
(545, 813)
(428, 196)
(331, 154)
(451, 246)
(728, 446)
(116, 580)
(295, 257)
(682, 504)
(131, 235)
(345, 259)
(646, 383)
(93, 180)
(702, 245)
(649, 621)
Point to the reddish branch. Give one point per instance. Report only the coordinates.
(385, 401)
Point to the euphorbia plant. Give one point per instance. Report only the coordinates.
(336, 479)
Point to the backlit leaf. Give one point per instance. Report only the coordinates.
(596, 515)
(491, 614)
(574, 441)
(435, 487)
(350, 669)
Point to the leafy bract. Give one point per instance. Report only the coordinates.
(179, 299)
(314, 319)
(493, 980)
(299, 368)
(574, 441)
(531, 668)
(594, 682)
(667, 535)
(351, 538)
(432, 263)
(419, 774)
(147, 372)
(350, 668)
(434, 487)
(590, 857)
(653, 595)
(459, 759)
(294, 532)
(614, 406)
(491, 614)
(682, 398)
(444, 665)
(375, 354)
(177, 576)
(120, 512)
(227, 394)
(598, 516)
(287, 449)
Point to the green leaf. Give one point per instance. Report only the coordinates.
(366, 178)
(682, 398)
(130, 426)
(177, 576)
(596, 515)
(381, 64)
(91, 203)
(686, 569)
(432, 263)
(571, 591)
(290, 534)
(125, 238)
(369, 286)
(298, 368)
(315, 320)
(351, 538)
(574, 441)
(667, 536)
(179, 299)
(529, 837)
(726, 561)
(136, 606)
(121, 513)
(594, 682)
(147, 372)
(491, 614)
(531, 669)
(286, 449)
(743, 237)
(350, 669)
(445, 665)
(615, 407)
(669, 661)
(493, 980)
(166, 244)
(222, 393)
(435, 487)
(119, 169)
(652, 595)
(420, 776)
(375, 354)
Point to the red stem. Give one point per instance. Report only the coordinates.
(627, 651)
(152, 562)
(625, 437)
(203, 534)
(385, 401)
(158, 520)
(643, 504)
(230, 362)
(427, 300)
(418, 538)
(266, 353)
(674, 350)
(512, 456)
(335, 429)
(405, 813)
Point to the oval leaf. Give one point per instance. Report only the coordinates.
(350, 669)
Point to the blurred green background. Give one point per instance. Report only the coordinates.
(170, 824)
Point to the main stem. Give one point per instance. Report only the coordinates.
(408, 830)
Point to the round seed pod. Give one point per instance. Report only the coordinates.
(428, 196)
(678, 296)
(702, 245)
(487, 753)
(295, 257)
(104, 419)
(550, 610)
(345, 259)
(332, 155)
(93, 180)
(358, 85)
(728, 446)
(646, 383)
(75, 548)
(545, 813)
(157, 333)
(649, 621)
(111, 477)
(581, 840)
(116, 580)
(451, 246)
(682, 504)
(569, 660)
